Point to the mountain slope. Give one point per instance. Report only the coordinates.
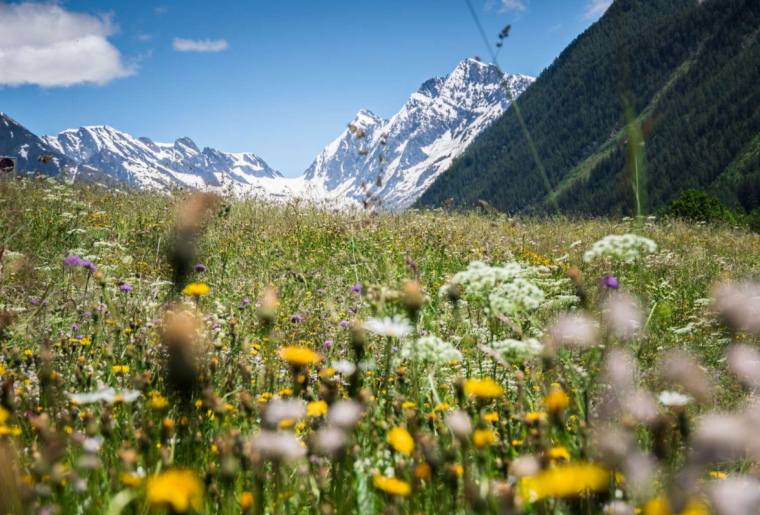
(396, 160)
(149, 165)
(688, 71)
(16, 141)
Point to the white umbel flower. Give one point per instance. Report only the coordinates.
(432, 350)
(628, 247)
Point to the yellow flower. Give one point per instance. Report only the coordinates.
(158, 403)
(316, 408)
(534, 416)
(246, 500)
(196, 289)
(483, 388)
(556, 453)
(120, 369)
(179, 489)
(557, 401)
(661, 506)
(4, 415)
(717, 474)
(401, 440)
(131, 479)
(491, 417)
(391, 485)
(299, 356)
(565, 481)
(408, 405)
(423, 471)
(483, 438)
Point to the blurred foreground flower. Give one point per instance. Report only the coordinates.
(178, 489)
(391, 485)
(565, 481)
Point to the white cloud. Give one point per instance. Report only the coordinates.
(596, 8)
(512, 5)
(145, 37)
(160, 10)
(44, 44)
(200, 45)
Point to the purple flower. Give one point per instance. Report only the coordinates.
(609, 281)
(72, 260)
(357, 288)
(89, 265)
(344, 323)
(246, 302)
(45, 303)
(296, 319)
(34, 302)
(87, 314)
(125, 288)
(75, 327)
(215, 326)
(328, 344)
(395, 349)
(320, 291)
(200, 268)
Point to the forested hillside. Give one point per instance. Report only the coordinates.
(689, 75)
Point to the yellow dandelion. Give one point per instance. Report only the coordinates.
(391, 485)
(4, 415)
(246, 500)
(299, 356)
(483, 388)
(565, 481)
(491, 417)
(158, 403)
(483, 438)
(196, 289)
(401, 440)
(316, 408)
(661, 506)
(179, 489)
(557, 453)
(557, 401)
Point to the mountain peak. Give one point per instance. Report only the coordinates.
(187, 142)
(365, 118)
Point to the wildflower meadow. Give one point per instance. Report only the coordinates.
(192, 353)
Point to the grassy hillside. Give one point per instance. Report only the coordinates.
(682, 74)
(267, 381)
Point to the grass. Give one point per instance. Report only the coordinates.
(213, 382)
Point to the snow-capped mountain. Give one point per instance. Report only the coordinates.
(33, 154)
(389, 162)
(396, 160)
(146, 164)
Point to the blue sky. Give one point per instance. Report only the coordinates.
(280, 78)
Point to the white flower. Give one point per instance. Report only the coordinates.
(280, 410)
(108, 395)
(510, 347)
(344, 367)
(431, 349)
(627, 247)
(674, 399)
(278, 446)
(623, 315)
(516, 296)
(395, 327)
(345, 414)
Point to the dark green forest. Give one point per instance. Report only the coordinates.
(684, 75)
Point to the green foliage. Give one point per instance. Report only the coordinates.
(689, 71)
(698, 206)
